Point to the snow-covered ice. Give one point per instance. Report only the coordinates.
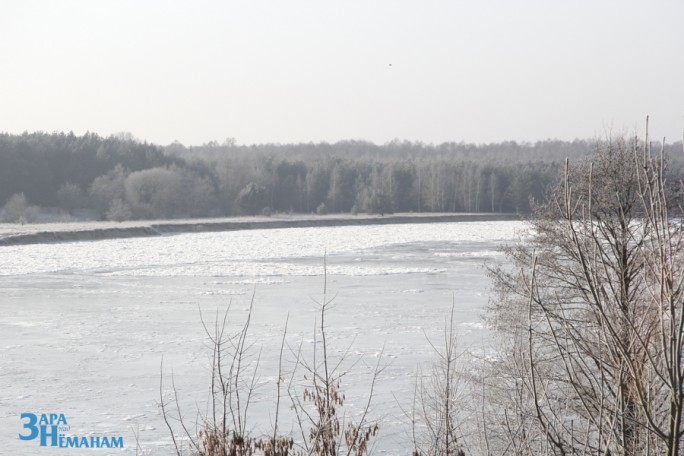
(84, 325)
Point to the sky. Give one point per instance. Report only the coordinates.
(277, 71)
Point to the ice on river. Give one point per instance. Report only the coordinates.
(84, 325)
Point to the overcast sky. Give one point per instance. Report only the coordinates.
(297, 71)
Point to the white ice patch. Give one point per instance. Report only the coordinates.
(23, 324)
(217, 253)
(476, 254)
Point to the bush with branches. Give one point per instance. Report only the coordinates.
(325, 426)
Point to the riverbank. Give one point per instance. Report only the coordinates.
(93, 231)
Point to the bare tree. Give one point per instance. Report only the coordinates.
(223, 430)
(438, 401)
(591, 315)
(326, 425)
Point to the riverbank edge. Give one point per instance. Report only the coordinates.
(162, 228)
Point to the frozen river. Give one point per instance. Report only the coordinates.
(84, 325)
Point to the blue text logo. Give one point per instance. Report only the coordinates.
(52, 429)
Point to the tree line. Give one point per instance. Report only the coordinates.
(120, 178)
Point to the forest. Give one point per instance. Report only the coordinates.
(64, 177)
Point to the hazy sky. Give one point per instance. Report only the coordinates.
(298, 71)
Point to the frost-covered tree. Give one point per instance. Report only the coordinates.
(17, 209)
(252, 199)
(591, 315)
